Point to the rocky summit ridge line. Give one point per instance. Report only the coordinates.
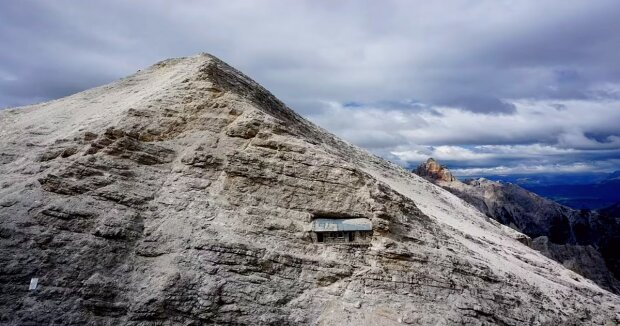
(186, 194)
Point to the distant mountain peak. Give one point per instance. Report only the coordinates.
(431, 169)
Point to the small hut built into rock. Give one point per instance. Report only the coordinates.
(342, 230)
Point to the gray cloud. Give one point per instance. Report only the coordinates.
(583, 131)
(481, 104)
(392, 76)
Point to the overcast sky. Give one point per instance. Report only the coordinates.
(488, 87)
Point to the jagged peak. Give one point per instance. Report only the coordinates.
(431, 169)
(226, 78)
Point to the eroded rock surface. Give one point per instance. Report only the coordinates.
(184, 194)
(433, 170)
(580, 240)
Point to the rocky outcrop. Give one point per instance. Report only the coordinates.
(433, 170)
(185, 194)
(580, 240)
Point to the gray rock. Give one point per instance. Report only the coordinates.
(581, 241)
(188, 196)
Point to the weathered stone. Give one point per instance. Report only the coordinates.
(191, 203)
(431, 169)
(574, 238)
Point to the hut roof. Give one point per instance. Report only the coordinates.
(350, 224)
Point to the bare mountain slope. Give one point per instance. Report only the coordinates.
(583, 241)
(186, 194)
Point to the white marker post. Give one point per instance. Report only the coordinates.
(33, 283)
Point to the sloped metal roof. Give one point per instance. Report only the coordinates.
(350, 224)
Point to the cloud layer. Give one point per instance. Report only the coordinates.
(540, 136)
(484, 85)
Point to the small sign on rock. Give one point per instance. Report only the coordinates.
(33, 283)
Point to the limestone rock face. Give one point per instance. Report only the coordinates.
(185, 194)
(431, 169)
(579, 240)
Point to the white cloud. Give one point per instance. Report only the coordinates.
(535, 121)
(576, 167)
(442, 153)
(539, 134)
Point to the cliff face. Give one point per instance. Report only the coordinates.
(581, 241)
(433, 170)
(185, 194)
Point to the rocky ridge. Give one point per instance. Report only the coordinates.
(580, 240)
(184, 194)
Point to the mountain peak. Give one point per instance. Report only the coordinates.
(185, 192)
(431, 169)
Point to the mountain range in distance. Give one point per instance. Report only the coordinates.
(591, 191)
(584, 241)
